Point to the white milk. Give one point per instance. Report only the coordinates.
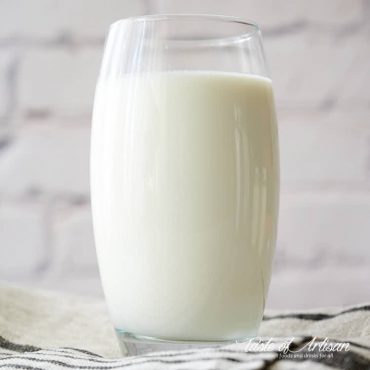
(184, 180)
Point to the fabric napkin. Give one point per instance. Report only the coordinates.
(43, 330)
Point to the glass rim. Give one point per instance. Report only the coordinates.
(251, 30)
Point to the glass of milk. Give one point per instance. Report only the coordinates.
(184, 180)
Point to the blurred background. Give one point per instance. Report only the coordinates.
(319, 57)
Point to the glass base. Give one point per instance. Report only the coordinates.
(134, 345)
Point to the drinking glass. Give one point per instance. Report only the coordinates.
(184, 180)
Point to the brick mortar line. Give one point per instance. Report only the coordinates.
(44, 198)
(362, 191)
(53, 120)
(307, 266)
(41, 43)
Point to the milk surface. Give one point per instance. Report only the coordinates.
(184, 181)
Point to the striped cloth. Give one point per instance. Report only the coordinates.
(41, 330)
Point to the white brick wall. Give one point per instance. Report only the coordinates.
(6, 63)
(322, 150)
(65, 80)
(74, 241)
(63, 19)
(23, 237)
(298, 288)
(51, 160)
(330, 228)
(311, 69)
(318, 53)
